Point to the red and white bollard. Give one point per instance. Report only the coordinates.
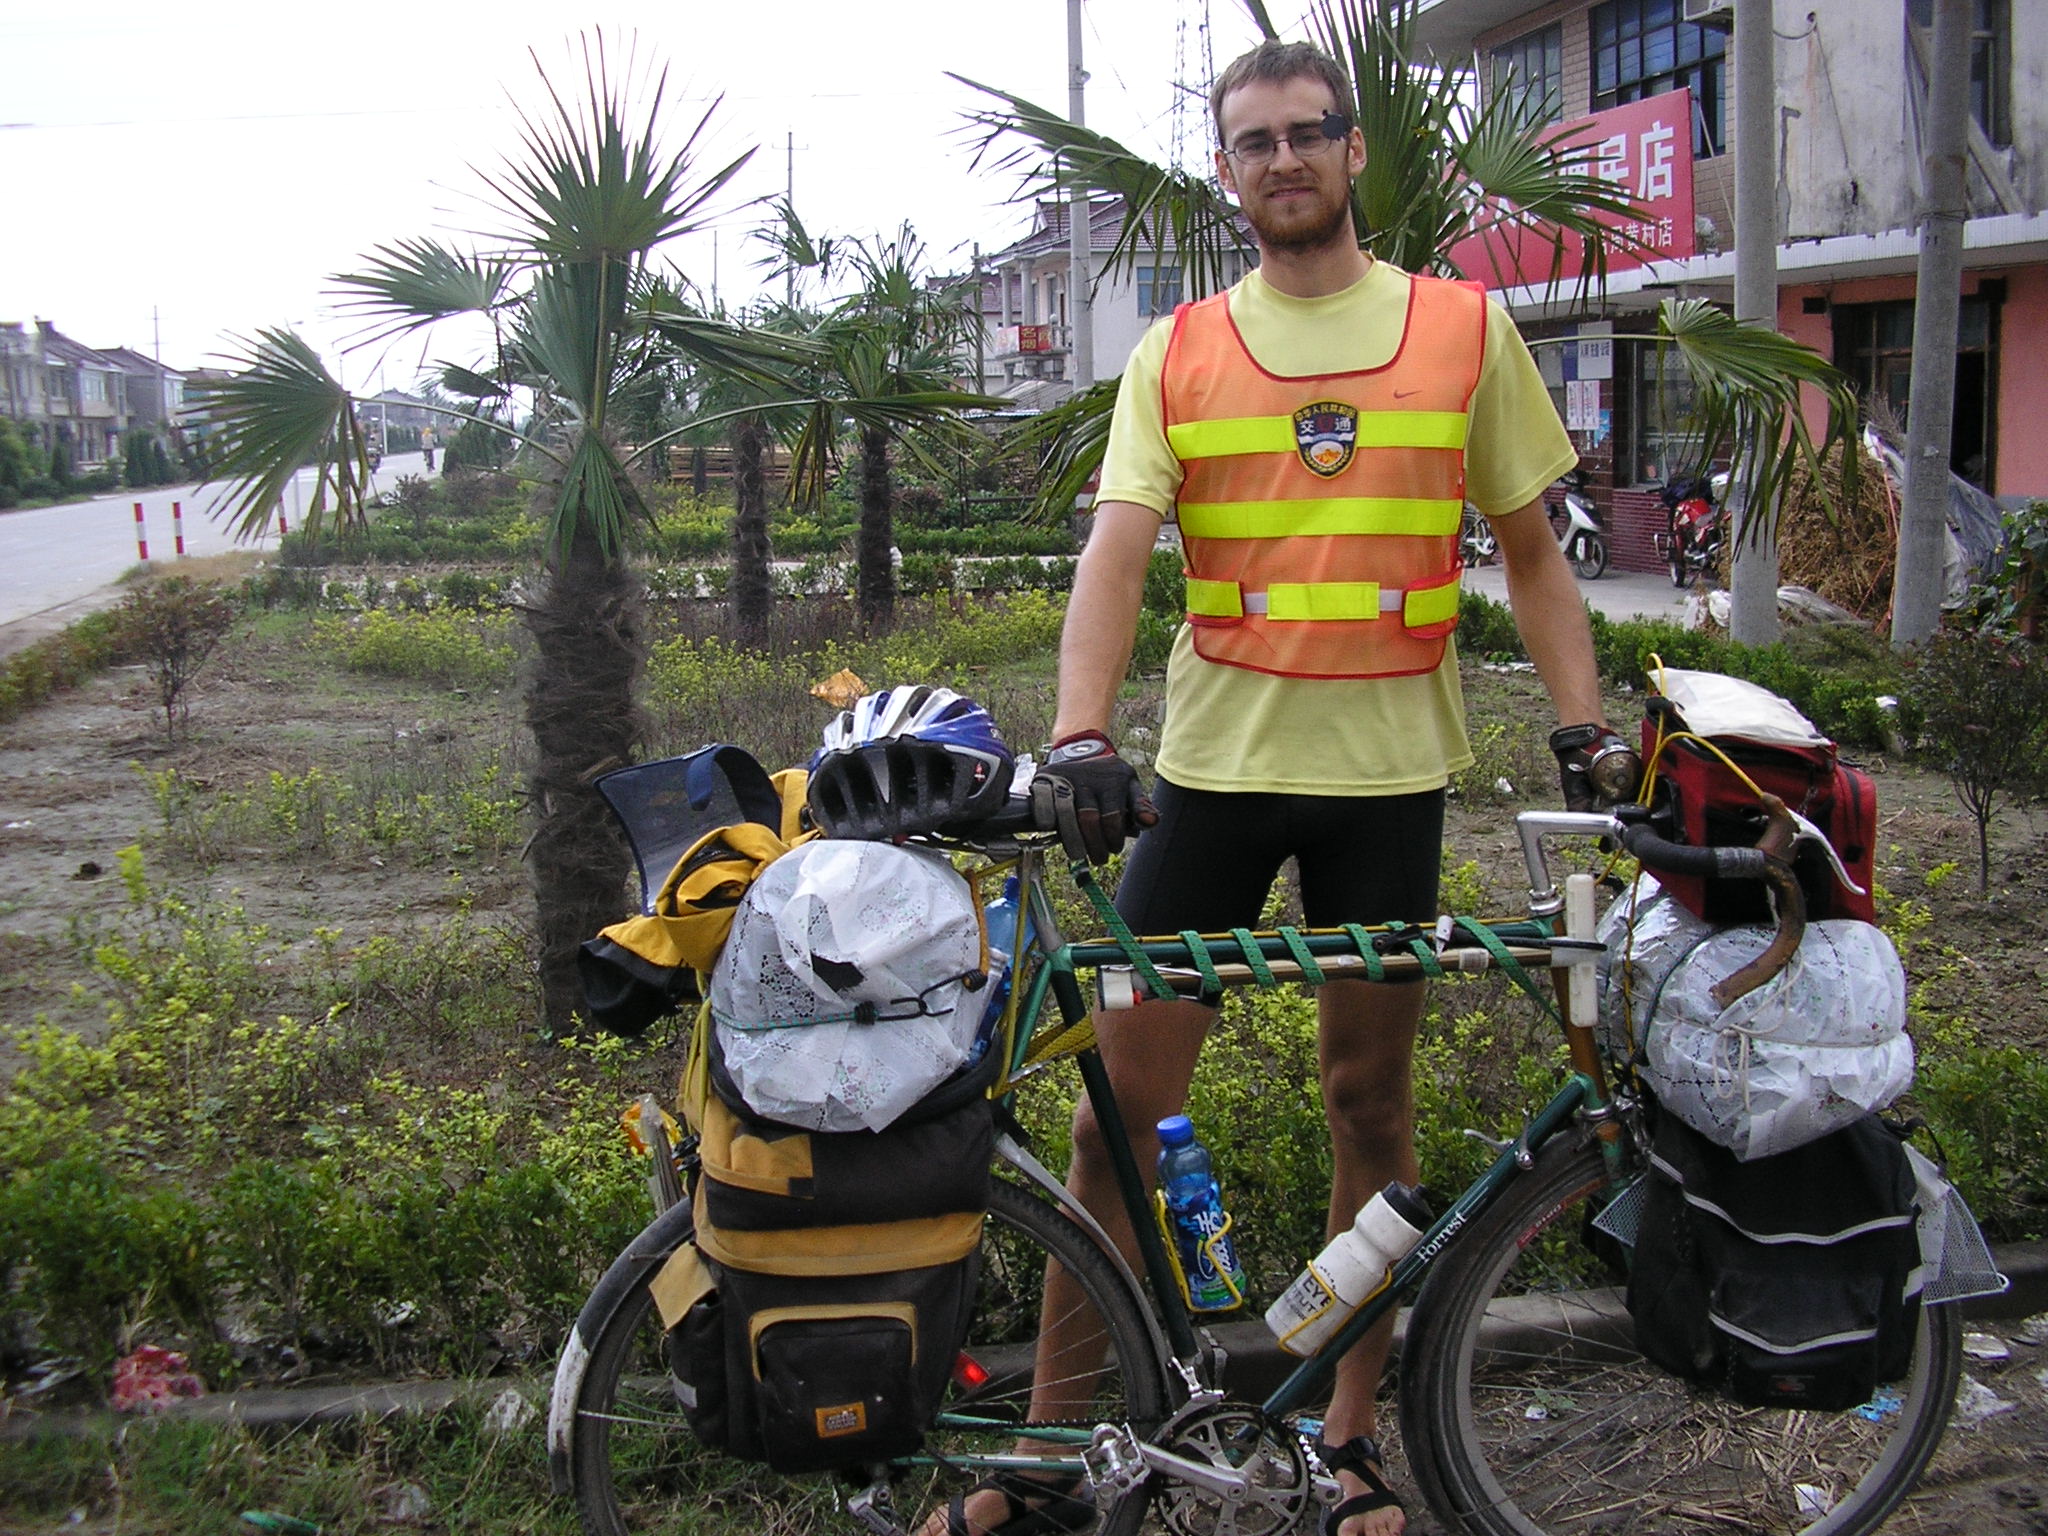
(283, 527)
(178, 527)
(141, 536)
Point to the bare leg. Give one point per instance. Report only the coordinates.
(1367, 1048)
(1150, 1052)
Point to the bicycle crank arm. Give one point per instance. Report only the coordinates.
(1118, 1459)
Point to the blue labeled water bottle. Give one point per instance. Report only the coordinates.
(1192, 1206)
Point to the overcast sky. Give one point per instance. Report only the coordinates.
(213, 163)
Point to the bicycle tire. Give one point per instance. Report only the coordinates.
(659, 1477)
(1526, 1411)
(1589, 557)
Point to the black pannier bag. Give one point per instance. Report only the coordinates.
(815, 1321)
(1789, 1281)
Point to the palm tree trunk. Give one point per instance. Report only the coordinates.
(875, 568)
(589, 650)
(750, 592)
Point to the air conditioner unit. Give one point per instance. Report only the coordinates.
(1719, 14)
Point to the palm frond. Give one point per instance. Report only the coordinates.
(1747, 381)
(459, 380)
(278, 410)
(1165, 211)
(592, 188)
(597, 497)
(1068, 442)
(413, 283)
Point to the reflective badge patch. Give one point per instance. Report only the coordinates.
(1325, 435)
(847, 1419)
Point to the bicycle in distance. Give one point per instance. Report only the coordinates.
(839, 1317)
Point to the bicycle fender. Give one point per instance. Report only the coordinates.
(645, 1254)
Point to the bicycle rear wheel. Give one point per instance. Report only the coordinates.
(637, 1467)
(1526, 1411)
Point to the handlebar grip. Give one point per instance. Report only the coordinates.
(1688, 859)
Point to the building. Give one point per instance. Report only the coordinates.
(61, 391)
(155, 393)
(1027, 344)
(1647, 87)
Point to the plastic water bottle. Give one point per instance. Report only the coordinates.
(1349, 1271)
(1003, 932)
(1194, 1210)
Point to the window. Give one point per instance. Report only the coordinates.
(1990, 63)
(95, 385)
(1641, 48)
(1654, 441)
(1530, 72)
(1874, 346)
(1158, 290)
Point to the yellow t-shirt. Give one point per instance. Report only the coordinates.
(1232, 729)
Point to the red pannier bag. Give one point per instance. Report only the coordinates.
(1699, 800)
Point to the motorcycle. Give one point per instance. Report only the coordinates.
(1583, 541)
(1695, 527)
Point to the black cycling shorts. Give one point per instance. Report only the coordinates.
(1211, 861)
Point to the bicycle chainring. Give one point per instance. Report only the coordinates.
(1281, 1492)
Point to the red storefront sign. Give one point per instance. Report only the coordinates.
(1034, 338)
(1643, 149)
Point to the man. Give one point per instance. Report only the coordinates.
(1318, 429)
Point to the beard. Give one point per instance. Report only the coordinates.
(1303, 228)
(1299, 228)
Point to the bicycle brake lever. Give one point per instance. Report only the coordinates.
(1809, 833)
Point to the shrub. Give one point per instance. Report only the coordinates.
(452, 649)
(62, 660)
(1984, 703)
(174, 627)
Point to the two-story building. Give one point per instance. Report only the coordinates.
(1646, 88)
(61, 391)
(1027, 347)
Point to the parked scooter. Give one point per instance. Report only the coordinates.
(1583, 540)
(1695, 527)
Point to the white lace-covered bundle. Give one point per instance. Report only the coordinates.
(1802, 1055)
(840, 998)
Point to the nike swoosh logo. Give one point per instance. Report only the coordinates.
(1403, 394)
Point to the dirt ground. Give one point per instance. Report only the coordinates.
(73, 792)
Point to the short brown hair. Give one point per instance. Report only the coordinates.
(1277, 62)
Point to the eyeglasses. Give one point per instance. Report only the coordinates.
(1307, 143)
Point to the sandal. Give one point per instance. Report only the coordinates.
(1064, 1508)
(1361, 1457)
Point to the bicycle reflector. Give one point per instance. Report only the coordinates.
(968, 1373)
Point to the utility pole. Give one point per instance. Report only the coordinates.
(789, 199)
(1937, 305)
(1080, 305)
(1753, 577)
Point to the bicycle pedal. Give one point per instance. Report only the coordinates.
(875, 1510)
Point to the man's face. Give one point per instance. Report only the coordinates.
(1295, 203)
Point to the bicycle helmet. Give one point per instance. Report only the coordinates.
(908, 760)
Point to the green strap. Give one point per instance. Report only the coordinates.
(1508, 964)
(1212, 984)
(1262, 973)
(1426, 958)
(1125, 939)
(1375, 968)
(1310, 971)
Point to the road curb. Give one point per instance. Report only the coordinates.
(1254, 1366)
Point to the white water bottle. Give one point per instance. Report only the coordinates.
(1346, 1274)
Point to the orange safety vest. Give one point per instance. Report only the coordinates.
(1320, 514)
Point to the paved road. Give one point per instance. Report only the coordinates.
(57, 562)
(1618, 594)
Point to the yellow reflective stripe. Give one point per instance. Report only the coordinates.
(1337, 515)
(1430, 605)
(1229, 435)
(1214, 599)
(1237, 434)
(1323, 600)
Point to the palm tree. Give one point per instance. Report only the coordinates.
(579, 319)
(1439, 171)
(892, 355)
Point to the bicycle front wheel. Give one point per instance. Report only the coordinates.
(1526, 1411)
(637, 1467)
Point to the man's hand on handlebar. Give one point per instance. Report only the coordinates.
(1091, 796)
(1595, 767)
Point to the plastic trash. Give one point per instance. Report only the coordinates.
(1985, 1346)
(1976, 1402)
